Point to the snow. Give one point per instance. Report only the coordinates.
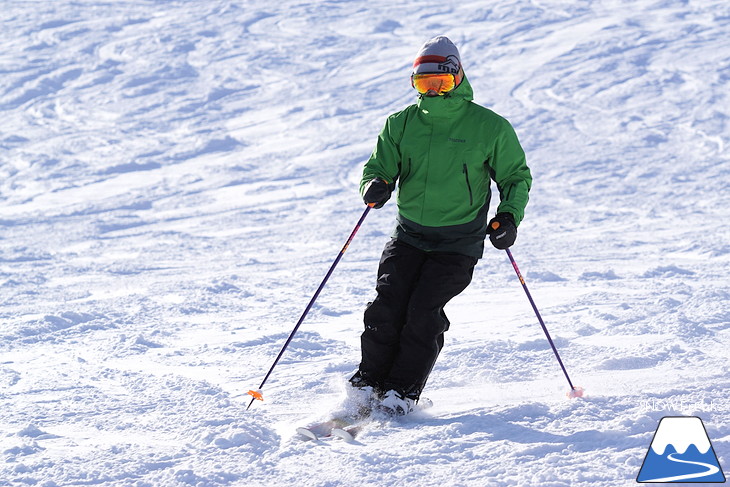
(176, 178)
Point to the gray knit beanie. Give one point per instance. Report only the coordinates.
(438, 55)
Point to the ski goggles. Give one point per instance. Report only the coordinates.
(440, 83)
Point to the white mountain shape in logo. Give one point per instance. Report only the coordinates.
(680, 432)
(451, 65)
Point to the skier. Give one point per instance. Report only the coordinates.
(443, 152)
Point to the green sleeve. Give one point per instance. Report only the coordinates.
(384, 162)
(510, 172)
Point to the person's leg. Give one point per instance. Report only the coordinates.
(385, 317)
(442, 277)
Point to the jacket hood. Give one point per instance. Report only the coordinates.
(449, 104)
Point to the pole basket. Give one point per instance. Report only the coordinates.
(256, 394)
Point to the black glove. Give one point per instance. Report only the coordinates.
(378, 192)
(502, 230)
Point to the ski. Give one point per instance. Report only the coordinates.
(347, 428)
(340, 427)
(347, 434)
(307, 433)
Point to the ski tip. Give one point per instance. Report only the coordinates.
(307, 434)
(346, 434)
(575, 392)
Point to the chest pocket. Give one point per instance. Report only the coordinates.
(468, 184)
(475, 174)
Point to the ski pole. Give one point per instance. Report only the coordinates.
(257, 394)
(574, 391)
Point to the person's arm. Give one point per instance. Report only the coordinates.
(509, 170)
(382, 169)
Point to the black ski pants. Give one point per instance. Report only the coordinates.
(405, 324)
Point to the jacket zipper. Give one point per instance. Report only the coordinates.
(468, 185)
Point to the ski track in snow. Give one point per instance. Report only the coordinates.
(176, 177)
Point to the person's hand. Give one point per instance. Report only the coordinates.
(377, 192)
(502, 230)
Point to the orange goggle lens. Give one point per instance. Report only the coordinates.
(440, 83)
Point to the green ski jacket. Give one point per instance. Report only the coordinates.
(443, 153)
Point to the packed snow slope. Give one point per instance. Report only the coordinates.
(177, 176)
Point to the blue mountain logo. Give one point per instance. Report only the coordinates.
(681, 452)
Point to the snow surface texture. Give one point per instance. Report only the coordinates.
(176, 178)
